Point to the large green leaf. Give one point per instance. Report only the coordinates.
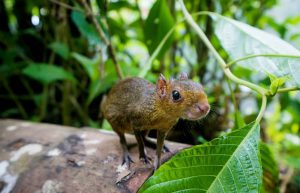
(61, 49)
(97, 84)
(47, 73)
(230, 163)
(270, 170)
(240, 40)
(91, 66)
(100, 86)
(157, 25)
(85, 28)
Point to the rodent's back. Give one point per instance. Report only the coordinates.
(130, 91)
(128, 98)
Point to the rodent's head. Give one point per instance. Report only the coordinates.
(183, 98)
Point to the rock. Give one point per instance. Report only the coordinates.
(47, 158)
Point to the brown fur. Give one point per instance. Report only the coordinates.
(134, 104)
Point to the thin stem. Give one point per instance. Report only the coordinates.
(288, 89)
(66, 6)
(262, 109)
(219, 59)
(147, 66)
(232, 95)
(260, 55)
(101, 34)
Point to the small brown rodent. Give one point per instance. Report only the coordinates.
(135, 104)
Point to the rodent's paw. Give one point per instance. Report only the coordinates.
(166, 149)
(127, 160)
(146, 160)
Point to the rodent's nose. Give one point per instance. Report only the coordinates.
(203, 108)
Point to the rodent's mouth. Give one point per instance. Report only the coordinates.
(198, 111)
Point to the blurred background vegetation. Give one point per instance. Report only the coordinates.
(55, 65)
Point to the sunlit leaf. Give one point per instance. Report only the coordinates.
(47, 73)
(293, 161)
(276, 83)
(230, 163)
(240, 40)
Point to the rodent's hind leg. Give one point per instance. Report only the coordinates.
(160, 141)
(143, 156)
(152, 144)
(126, 157)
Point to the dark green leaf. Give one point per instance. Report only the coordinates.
(238, 120)
(116, 5)
(157, 25)
(91, 66)
(100, 86)
(7, 70)
(230, 163)
(102, 4)
(47, 73)
(10, 112)
(85, 28)
(61, 49)
(270, 170)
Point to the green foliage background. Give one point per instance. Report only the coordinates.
(55, 68)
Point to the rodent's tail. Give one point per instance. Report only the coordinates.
(101, 109)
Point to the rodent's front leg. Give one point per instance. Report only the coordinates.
(126, 157)
(152, 144)
(143, 155)
(161, 135)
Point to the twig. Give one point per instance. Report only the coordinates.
(222, 63)
(66, 6)
(285, 179)
(219, 59)
(288, 89)
(111, 51)
(260, 55)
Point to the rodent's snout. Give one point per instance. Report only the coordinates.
(197, 111)
(203, 108)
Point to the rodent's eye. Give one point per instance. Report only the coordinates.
(176, 95)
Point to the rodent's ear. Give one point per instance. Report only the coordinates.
(161, 86)
(183, 76)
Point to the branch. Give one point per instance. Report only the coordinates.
(219, 59)
(101, 34)
(262, 109)
(66, 6)
(288, 89)
(261, 55)
(222, 63)
(286, 178)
